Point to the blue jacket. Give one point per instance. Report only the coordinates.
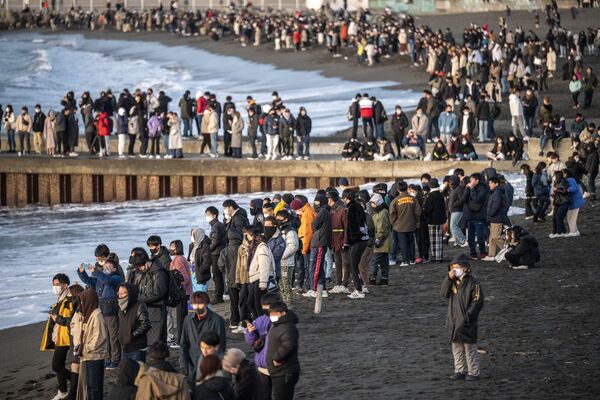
(262, 325)
(577, 200)
(277, 246)
(497, 207)
(447, 123)
(540, 184)
(106, 287)
(475, 202)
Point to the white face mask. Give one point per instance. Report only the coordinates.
(101, 263)
(458, 272)
(226, 213)
(57, 290)
(209, 218)
(274, 318)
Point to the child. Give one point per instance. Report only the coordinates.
(465, 300)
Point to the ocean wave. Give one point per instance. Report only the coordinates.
(41, 62)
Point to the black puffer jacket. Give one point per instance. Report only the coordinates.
(133, 322)
(356, 223)
(152, 284)
(465, 301)
(322, 228)
(216, 388)
(526, 251)
(218, 237)
(202, 260)
(282, 346)
(455, 200)
(163, 257)
(234, 227)
(475, 202)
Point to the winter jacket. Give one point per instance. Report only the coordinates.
(529, 184)
(366, 108)
(94, 342)
(379, 115)
(287, 126)
(405, 213)
(202, 261)
(305, 232)
(38, 122)
(259, 337)
(339, 222)
(246, 382)
(234, 227)
(153, 284)
(465, 302)
(540, 184)
(153, 383)
(218, 237)
(356, 230)
(497, 207)
(122, 125)
(185, 105)
(216, 388)
(210, 122)
(399, 123)
(381, 221)
(193, 328)
(322, 230)
(103, 124)
(106, 286)
(237, 127)
(134, 323)
(56, 332)
(303, 125)
(272, 124)
(455, 200)
(434, 208)
(576, 196)
(447, 123)
(420, 124)
(277, 246)
(475, 202)
(471, 124)
(155, 126)
(282, 342)
(288, 258)
(591, 162)
(526, 251)
(24, 123)
(262, 266)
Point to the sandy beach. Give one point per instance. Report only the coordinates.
(539, 328)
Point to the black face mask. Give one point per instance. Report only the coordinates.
(270, 231)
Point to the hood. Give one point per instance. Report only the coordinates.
(289, 318)
(88, 300)
(255, 206)
(462, 260)
(198, 234)
(164, 384)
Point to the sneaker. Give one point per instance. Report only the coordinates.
(344, 289)
(157, 157)
(324, 294)
(143, 156)
(413, 262)
(306, 158)
(61, 395)
(465, 244)
(471, 378)
(404, 264)
(365, 290)
(488, 258)
(528, 218)
(393, 262)
(382, 282)
(225, 297)
(111, 366)
(337, 289)
(73, 154)
(299, 158)
(520, 267)
(233, 326)
(239, 329)
(356, 295)
(19, 154)
(310, 293)
(173, 345)
(150, 157)
(473, 257)
(573, 234)
(122, 156)
(459, 376)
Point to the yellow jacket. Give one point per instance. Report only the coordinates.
(57, 333)
(305, 232)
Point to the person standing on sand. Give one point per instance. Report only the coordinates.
(465, 301)
(56, 335)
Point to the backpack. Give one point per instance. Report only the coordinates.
(176, 291)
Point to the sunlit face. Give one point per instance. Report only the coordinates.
(208, 350)
(122, 292)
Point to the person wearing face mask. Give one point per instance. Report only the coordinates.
(276, 243)
(466, 123)
(306, 214)
(256, 212)
(235, 220)
(176, 315)
(158, 252)
(102, 253)
(134, 323)
(218, 241)
(465, 150)
(282, 351)
(105, 283)
(465, 301)
(152, 280)
(56, 335)
(319, 243)
(419, 124)
(39, 119)
(261, 266)
(288, 258)
(201, 320)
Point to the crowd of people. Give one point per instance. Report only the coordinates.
(283, 249)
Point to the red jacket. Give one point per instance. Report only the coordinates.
(103, 125)
(200, 105)
(366, 108)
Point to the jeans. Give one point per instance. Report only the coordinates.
(541, 205)
(530, 122)
(470, 156)
(367, 127)
(303, 148)
(455, 230)
(558, 218)
(592, 183)
(187, 127)
(543, 141)
(433, 127)
(379, 131)
(476, 228)
(283, 386)
(406, 240)
(198, 123)
(94, 377)
(483, 130)
(213, 143)
(24, 142)
(380, 261)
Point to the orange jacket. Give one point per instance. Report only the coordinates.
(305, 232)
